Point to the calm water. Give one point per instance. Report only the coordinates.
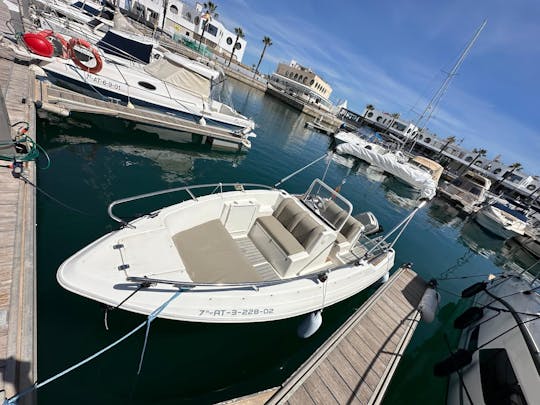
(204, 363)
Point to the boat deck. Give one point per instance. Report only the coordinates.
(355, 365)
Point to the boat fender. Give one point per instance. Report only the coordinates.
(73, 42)
(453, 363)
(310, 324)
(37, 44)
(467, 318)
(473, 289)
(202, 121)
(60, 45)
(429, 302)
(385, 278)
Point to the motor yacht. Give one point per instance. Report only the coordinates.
(502, 220)
(468, 191)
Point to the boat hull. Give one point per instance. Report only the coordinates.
(489, 220)
(110, 269)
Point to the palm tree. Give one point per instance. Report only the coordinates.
(239, 34)
(513, 167)
(449, 140)
(267, 41)
(479, 153)
(209, 9)
(369, 108)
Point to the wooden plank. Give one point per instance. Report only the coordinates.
(356, 363)
(301, 397)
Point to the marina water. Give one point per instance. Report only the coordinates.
(196, 363)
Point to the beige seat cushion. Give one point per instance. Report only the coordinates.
(307, 232)
(211, 255)
(351, 229)
(289, 213)
(280, 235)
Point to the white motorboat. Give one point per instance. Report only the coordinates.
(498, 361)
(420, 173)
(172, 84)
(502, 220)
(252, 254)
(468, 191)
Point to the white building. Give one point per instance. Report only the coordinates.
(459, 156)
(185, 22)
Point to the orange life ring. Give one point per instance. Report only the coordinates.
(73, 55)
(57, 40)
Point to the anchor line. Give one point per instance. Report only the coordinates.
(147, 322)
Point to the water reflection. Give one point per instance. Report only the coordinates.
(474, 237)
(444, 213)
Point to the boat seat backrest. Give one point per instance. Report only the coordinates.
(333, 213)
(307, 232)
(352, 229)
(289, 213)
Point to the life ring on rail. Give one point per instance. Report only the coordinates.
(73, 42)
(60, 45)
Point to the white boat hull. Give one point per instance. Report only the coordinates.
(494, 221)
(101, 270)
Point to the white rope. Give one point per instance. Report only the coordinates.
(151, 317)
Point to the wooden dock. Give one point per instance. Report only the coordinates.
(59, 101)
(18, 353)
(355, 365)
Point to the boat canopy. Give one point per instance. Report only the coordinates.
(169, 72)
(515, 213)
(115, 43)
(432, 167)
(122, 24)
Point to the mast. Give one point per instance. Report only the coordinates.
(424, 118)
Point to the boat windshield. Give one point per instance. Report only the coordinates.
(421, 166)
(468, 186)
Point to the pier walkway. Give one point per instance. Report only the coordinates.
(18, 353)
(355, 365)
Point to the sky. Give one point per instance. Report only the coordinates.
(395, 54)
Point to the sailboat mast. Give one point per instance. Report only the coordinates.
(424, 118)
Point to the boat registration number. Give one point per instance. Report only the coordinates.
(103, 82)
(236, 312)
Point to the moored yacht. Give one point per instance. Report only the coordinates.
(502, 220)
(468, 191)
(498, 361)
(171, 84)
(251, 254)
(418, 172)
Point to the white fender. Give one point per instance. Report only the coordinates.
(429, 304)
(311, 324)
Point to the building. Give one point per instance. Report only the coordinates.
(303, 83)
(185, 22)
(454, 157)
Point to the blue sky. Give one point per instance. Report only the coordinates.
(392, 54)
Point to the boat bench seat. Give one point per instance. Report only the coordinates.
(291, 229)
(216, 259)
(351, 229)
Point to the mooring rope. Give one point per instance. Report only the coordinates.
(150, 318)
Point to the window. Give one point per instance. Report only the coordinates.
(211, 29)
(311, 82)
(147, 85)
(478, 163)
(197, 20)
(468, 159)
(531, 187)
(173, 9)
(499, 382)
(370, 114)
(295, 76)
(497, 170)
(229, 41)
(238, 46)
